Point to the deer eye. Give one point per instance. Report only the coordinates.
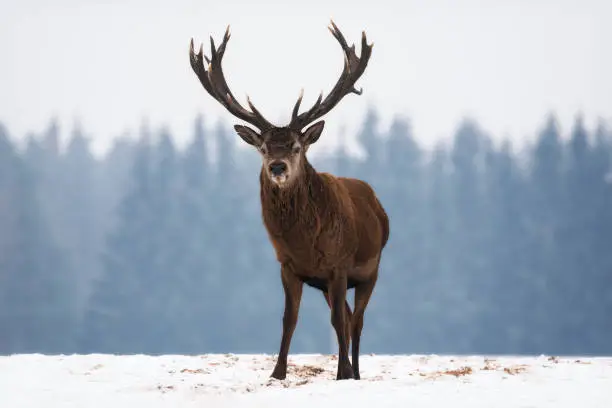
(263, 149)
(296, 148)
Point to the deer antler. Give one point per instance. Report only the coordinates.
(214, 82)
(353, 69)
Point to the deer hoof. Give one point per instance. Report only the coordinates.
(345, 373)
(279, 374)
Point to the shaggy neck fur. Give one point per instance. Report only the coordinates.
(283, 207)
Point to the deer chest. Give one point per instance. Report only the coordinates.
(318, 244)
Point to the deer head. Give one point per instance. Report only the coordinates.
(283, 148)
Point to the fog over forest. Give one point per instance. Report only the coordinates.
(155, 249)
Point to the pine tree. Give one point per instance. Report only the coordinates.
(82, 215)
(545, 218)
(115, 322)
(37, 310)
(509, 274)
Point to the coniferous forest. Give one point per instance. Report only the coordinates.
(155, 249)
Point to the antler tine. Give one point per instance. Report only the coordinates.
(253, 108)
(338, 34)
(353, 69)
(213, 80)
(296, 108)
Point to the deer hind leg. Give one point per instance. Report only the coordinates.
(363, 292)
(337, 299)
(293, 295)
(349, 319)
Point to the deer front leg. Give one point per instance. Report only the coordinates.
(337, 298)
(293, 295)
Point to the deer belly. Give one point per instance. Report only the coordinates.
(315, 282)
(321, 284)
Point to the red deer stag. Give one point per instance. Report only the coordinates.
(328, 232)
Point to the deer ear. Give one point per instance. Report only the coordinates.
(248, 135)
(312, 134)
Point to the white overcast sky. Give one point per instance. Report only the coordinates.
(111, 63)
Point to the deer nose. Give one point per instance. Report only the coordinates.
(277, 168)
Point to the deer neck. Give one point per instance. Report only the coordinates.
(283, 208)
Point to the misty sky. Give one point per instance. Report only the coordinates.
(111, 63)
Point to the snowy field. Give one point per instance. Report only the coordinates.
(91, 381)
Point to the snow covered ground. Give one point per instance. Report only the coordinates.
(91, 381)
